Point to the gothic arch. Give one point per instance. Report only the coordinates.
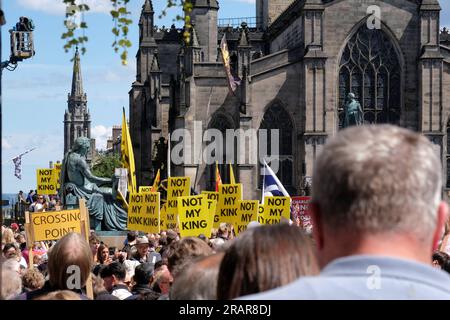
(220, 120)
(277, 117)
(371, 66)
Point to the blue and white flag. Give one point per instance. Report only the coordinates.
(272, 186)
(18, 164)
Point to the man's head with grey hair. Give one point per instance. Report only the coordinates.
(374, 182)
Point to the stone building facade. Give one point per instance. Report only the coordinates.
(297, 65)
(77, 119)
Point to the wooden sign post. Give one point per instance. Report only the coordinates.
(53, 225)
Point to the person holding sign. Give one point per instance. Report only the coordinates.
(69, 266)
(378, 214)
(78, 182)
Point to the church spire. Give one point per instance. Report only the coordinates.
(77, 81)
(148, 7)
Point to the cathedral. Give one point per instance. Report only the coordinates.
(77, 119)
(297, 60)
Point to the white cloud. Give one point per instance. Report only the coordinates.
(57, 7)
(101, 134)
(5, 144)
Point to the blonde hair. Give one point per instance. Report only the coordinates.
(8, 236)
(60, 295)
(70, 250)
(11, 285)
(33, 279)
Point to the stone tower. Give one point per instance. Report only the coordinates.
(204, 19)
(77, 119)
(268, 10)
(144, 96)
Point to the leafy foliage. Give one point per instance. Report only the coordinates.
(120, 17)
(104, 165)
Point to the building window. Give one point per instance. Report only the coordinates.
(221, 123)
(370, 68)
(276, 117)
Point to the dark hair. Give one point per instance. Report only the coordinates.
(150, 295)
(131, 236)
(185, 250)
(143, 273)
(440, 257)
(159, 264)
(100, 249)
(93, 238)
(264, 258)
(446, 265)
(114, 269)
(9, 246)
(198, 281)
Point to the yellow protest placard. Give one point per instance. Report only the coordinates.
(46, 181)
(176, 187)
(248, 211)
(229, 195)
(143, 212)
(212, 205)
(261, 213)
(275, 209)
(53, 225)
(57, 173)
(163, 217)
(193, 214)
(214, 195)
(143, 189)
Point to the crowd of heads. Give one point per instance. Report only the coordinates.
(386, 189)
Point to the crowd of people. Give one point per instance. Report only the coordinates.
(34, 202)
(378, 221)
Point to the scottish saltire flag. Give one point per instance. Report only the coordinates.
(272, 186)
(18, 164)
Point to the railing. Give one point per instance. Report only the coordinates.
(236, 22)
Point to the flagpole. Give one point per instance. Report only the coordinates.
(263, 184)
(168, 157)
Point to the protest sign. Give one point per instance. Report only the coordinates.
(276, 209)
(214, 195)
(143, 212)
(163, 217)
(176, 187)
(212, 205)
(57, 174)
(46, 181)
(194, 216)
(261, 208)
(300, 213)
(122, 186)
(248, 211)
(145, 189)
(229, 195)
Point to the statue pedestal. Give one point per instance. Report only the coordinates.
(112, 238)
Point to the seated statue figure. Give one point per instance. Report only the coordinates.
(100, 194)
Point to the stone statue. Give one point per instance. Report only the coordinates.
(100, 194)
(353, 114)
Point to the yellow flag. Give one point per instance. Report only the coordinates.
(232, 180)
(126, 149)
(156, 181)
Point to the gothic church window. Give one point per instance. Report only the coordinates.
(370, 68)
(276, 117)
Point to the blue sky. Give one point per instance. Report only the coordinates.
(35, 94)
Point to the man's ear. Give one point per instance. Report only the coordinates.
(442, 216)
(316, 218)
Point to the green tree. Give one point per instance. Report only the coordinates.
(104, 165)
